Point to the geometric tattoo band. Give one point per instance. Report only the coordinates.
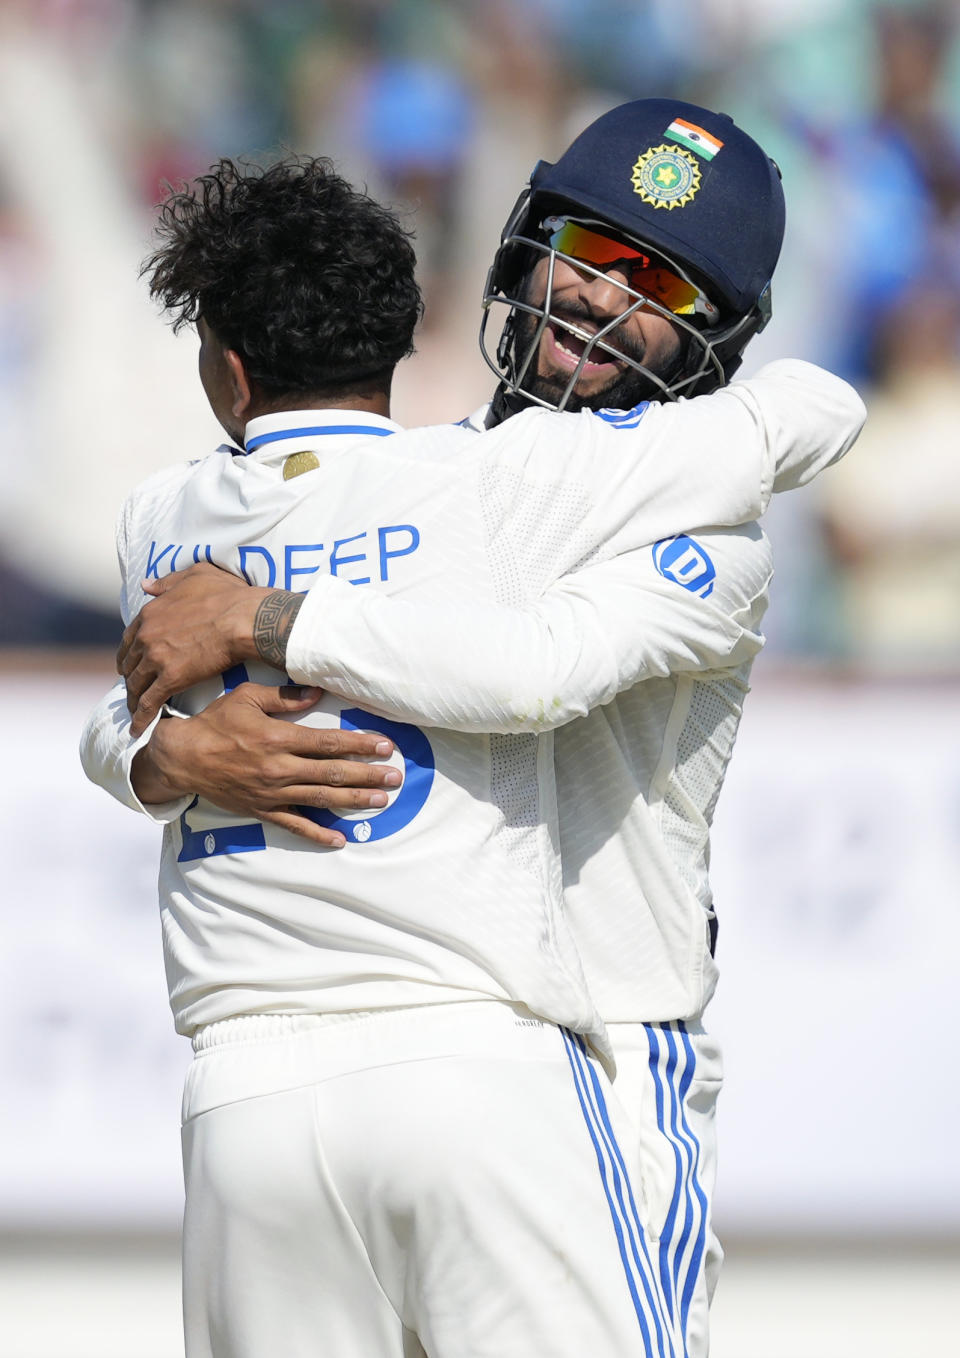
(273, 624)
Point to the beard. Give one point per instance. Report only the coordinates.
(623, 391)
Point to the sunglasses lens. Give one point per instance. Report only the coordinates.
(675, 293)
(591, 247)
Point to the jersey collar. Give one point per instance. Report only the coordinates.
(477, 420)
(271, 432)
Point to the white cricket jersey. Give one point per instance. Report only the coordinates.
(455, 890)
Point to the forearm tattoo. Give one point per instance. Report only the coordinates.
(273, 624)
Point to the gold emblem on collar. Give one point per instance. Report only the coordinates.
(298, 463)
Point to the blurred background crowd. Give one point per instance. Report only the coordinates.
(442, 107)
(836, 856)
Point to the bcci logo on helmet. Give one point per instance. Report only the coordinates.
(666, 176)
(684, 561)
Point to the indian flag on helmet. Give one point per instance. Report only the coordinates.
(696, 138)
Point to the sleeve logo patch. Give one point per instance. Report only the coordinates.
(684, 561)
(623, 419)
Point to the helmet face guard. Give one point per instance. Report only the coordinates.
(705, 355)
(683, 186)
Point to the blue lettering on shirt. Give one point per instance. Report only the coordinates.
(259, 566)
(419, 766)
(249, 550)
(153, 562)
(336, 560)
(290, 570)
(412, 544)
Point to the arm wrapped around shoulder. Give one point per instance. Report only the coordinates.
(812, 418)
(685, 603)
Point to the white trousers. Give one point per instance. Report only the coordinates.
(456, 1180)
(668, 1080)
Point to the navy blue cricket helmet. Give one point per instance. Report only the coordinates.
(679, 182)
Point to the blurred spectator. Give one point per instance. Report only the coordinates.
(442, 107)
(897, 181)
(382, 89)
(92, 420)
(892, 508)
(629, 49)
(29, 613)
(861, 103)
(21, 271)
(412, 121)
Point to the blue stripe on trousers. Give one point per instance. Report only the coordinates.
(680, 1138)
(638, 1268)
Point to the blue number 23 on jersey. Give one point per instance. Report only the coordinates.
(418, 771)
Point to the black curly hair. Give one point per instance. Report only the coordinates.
(308, 279)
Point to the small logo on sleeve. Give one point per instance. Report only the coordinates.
(685, 562)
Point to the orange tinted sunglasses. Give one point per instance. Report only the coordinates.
(642, 273)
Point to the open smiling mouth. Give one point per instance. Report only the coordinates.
(565, 350)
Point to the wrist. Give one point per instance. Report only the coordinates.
(276, 612)
(239, 623)
(154, 774)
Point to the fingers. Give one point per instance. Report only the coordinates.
(321, 797)
(325, 742)
(164, 583)
(288, 818)
(144, 706)
(126, 643)
(275, 700)
(332, 743)
(352, 787)
(306, 829)
(202, 574)
(201, 570)
(343, 775)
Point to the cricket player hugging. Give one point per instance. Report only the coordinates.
(402, 1133)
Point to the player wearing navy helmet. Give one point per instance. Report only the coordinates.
(500, 637)
(681, 215)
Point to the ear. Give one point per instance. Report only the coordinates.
(239, 383)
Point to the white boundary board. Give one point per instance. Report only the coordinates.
(836, 870)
